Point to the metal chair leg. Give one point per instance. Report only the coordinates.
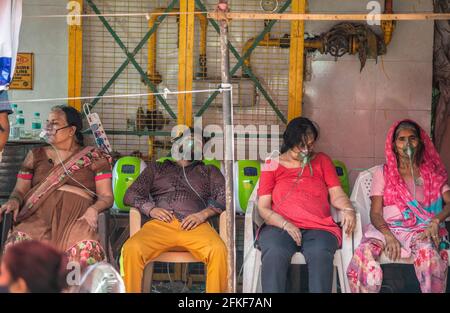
(103, 232)
(6, 227)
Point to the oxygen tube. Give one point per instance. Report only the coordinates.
(44, 135)
(305, 157)
(409, 151)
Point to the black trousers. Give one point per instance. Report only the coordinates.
(277, 249)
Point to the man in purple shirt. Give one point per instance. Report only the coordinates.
(179, 197)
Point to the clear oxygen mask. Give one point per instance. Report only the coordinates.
(305, 158)
(409, 150)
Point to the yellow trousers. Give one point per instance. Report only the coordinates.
(156, 237)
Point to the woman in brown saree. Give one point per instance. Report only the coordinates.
(61, 189)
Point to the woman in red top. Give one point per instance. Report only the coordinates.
(293, 201)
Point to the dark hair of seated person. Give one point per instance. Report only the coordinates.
(39, 265)
(297, 132)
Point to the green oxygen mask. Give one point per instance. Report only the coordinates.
(305, 157)
(409, 150)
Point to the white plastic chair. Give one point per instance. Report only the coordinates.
(360, 198)
(252, 261)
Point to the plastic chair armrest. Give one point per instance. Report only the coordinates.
(135, 221)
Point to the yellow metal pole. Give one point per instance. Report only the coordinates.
(203, 21)
(75, 60)
(186, 61)
(182, 62)
(151, 71)
(151, 57)
(296, 55)
(190, 60)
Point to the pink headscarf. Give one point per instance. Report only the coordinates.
(396, 192)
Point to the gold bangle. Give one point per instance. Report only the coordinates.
(284, 224)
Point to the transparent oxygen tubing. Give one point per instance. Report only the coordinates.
(306, 159)
(185, 177)
(410, 152)
(44, 136)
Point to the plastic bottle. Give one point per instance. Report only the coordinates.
(36, 125)
(20, 125)
(12, 121)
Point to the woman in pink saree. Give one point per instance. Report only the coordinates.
(60, 190)
(410, 202)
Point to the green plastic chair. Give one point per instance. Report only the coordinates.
(216, 163)
(161, 160)
(342, 173)
(247, 173)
